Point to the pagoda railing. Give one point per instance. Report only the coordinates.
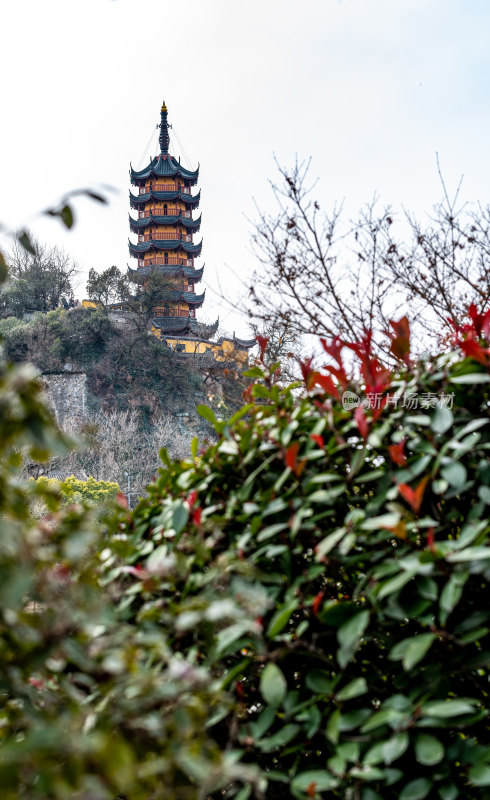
(172, 261)
(165, 187)
(172, 313)
(177, 237)
(158, 212)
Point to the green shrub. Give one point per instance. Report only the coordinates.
(93, 706)
(73, 489)
(345, 557)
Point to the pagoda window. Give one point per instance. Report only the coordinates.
(165, 258)
(165, 210)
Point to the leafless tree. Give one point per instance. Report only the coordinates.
(114, 445)
(321, 276)
(46, 274)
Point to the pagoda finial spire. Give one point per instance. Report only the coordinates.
(164, 137)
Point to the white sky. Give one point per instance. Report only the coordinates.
(370, 89)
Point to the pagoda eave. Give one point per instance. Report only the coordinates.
(167, 245)
(137, 200)
(190, 224)
(169, 270)
(182, 326)
(164, 166)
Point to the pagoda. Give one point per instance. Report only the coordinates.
(165, 225)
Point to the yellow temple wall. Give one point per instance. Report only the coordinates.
(225, 351)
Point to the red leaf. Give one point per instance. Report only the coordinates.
(396, 453)
(318, 439)
(317, 602)
(361, 421)
(430, 540)
(136, 572)
(291, 454)
(326, 383)
(307, 372)
(413, 496)
(400, 347)
(38, 683)
(471, 348)
(196, 516)
(191, 500)
(122, 500)
(340, 374)
(311, 789)
(262, 341)
(334, 349)
(401, 327)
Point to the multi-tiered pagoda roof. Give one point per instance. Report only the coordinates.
(164, 165)
(164, 225)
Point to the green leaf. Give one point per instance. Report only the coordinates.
(281, 618)
(318, 681)
(390, 520)
(326, 496)
(451, 594)
(99, 198)
(66, 216)
(194, 447)
(24, 240)
(412, 649)
(319, 778)
(395, 747)
(233, 634)
(263, 723)
(442, 419)
(484, 494)
(468, 554)
(474, 377)
(273, 685)
(3, 269)
(386, 716)
(395, 584)
(271, 530)
(242, 412)
(416, 790)
(349, 635)
(180, 515)
(448, 791)
(470, 532)
(329, 542)
(480, 775)
(244, 794)
(448, 708)
(207, 413)
(353, 689)
(279, 739)
(454, 473)
(428, 750)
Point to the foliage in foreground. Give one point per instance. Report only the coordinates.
(299, 611)
(92, 706)
(360, 543)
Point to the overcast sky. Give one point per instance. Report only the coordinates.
(369, 89)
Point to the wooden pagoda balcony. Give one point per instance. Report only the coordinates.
(158, 212)
(176, 237)
(165, 187)
(171, 260)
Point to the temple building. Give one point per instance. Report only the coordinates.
(164, 205)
